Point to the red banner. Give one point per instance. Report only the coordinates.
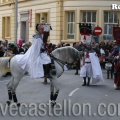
(116, 34)
(31, 18)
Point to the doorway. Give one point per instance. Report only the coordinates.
(23, 31)
(24, 25)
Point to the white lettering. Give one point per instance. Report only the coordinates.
(119, 7)
(114, 7)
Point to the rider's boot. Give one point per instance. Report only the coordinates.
(84, 79)
(48, 70)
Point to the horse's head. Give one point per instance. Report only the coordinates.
(72, 55)
(67, 54)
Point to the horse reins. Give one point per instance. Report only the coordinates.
(57, 59)
(60, 61)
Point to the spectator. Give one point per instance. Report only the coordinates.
(1, 51)
(9, 53)
(23, 49)
(28, 44)
(110, 59)
(74, 44)
(0, 43)
(4, 45)
(67, 44)
(20, 42)
(15, 50)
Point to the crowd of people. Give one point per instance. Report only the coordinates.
(107, 52)
(11, 49)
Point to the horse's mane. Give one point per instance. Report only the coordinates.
(64, 51)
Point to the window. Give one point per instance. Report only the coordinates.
(40, 16)
(71, 25)
(45, 16)
(110, 19)
(37, 18)
(89, 17)
(6, 27)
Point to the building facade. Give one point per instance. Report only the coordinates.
(62, 15)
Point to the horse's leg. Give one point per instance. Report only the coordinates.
(51, 90)
(55, 84)
(14, 86)
(45, 80)
(9, 87)
(45, 74)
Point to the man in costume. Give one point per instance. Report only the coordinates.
(87, 66)
(90, 66)
(33, 60)
(46, 34)
(117, 72)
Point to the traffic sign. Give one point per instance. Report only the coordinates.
(98, 30)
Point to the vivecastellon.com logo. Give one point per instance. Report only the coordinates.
(67, 108)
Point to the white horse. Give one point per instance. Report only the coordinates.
(60, 56)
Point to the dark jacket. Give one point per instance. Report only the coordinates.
(1, 53)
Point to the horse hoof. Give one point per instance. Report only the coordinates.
(8, 103)
(44, 83)
(53, 104)
(18, 104)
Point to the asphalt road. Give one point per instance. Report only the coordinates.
(71, 94)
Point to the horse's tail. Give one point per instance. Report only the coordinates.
(3, 65)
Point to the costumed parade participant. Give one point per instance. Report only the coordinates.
(117, 72)
(46, 34)
(116, 35)
(34, 59)
(90, 66)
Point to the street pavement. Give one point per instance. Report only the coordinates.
(71, 89)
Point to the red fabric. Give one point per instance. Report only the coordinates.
(102, 58)
(117, 69)
(116, 34)
(85, 34)
(87, 55)
(20, 42)
(46, 48)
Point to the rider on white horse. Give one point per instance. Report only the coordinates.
(33, 60)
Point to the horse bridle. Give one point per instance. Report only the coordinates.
(60, 61)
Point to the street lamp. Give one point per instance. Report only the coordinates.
(16, 20)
